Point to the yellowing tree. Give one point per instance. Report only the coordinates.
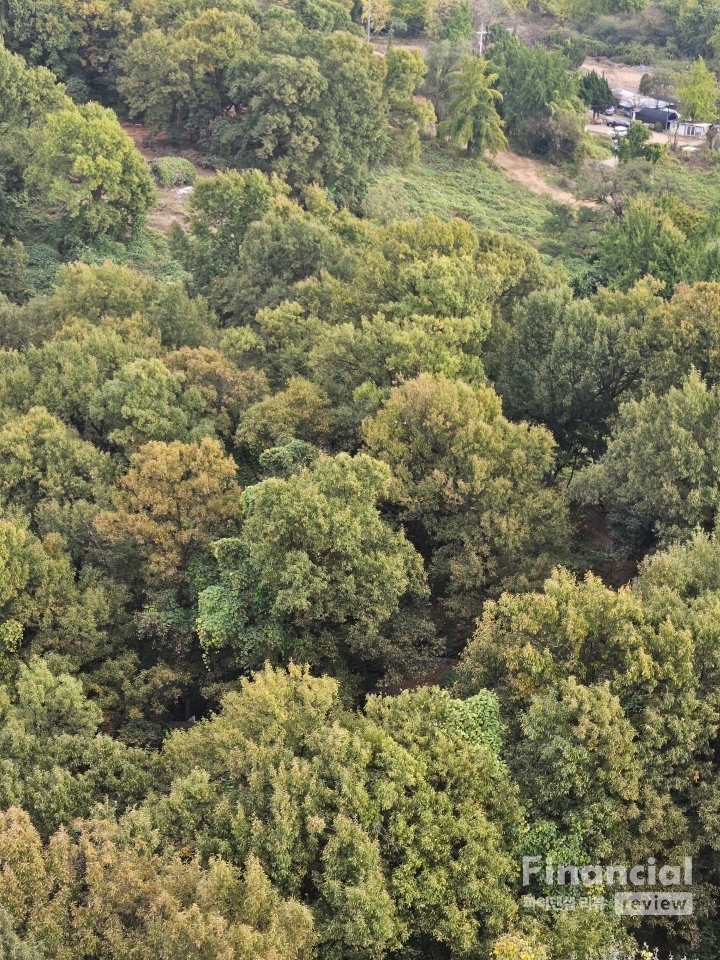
(175, 498)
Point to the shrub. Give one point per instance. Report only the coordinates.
(172, 171)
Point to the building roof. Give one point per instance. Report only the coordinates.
(653, 115)
(628, 99)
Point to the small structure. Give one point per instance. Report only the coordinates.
(690, 128)
(654, 116)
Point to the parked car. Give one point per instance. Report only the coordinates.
(619, 124)
(609, 112)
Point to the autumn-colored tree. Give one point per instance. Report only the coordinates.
(174, 500)
(226, 390)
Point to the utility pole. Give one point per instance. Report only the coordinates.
(481, 37)
(369, 11)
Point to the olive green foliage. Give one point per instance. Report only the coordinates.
(13, 263)
(567, 363)
(471, 484)
(288, 91)
(84, 163)
(252, 512)
(316, 574)
(56, 765)
(359, 812)
(660, 463)
(173, 171)
(596, 667)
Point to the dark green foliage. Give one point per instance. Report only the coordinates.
(595, 91)
(540, 105)
(13, 271)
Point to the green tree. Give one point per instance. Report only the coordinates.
(110, 880)
(474, 119)
(443, 60)
(595, 91)
(57, 765)
(681, 334)
(221, 210)
(52, 475)
(226, 390)
(286, 246)
(84, 162)
(405, 70)
(182, 79)
(636, 145)
(661, 83)
(660, 465)
(302, 411)
(316, 573)
(645, 241)
(27, 96)
(699, 92)
(145, 401)
(13, 263)
(580, 648)
(471, 484)
(540, 105)
(395, 826)
(566, 364)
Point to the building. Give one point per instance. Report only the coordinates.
(690, 128)
(655, 116)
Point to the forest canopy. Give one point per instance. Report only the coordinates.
(352, 551)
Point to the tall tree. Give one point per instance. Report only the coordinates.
(474, 119)
(317, 574)
(699, 92)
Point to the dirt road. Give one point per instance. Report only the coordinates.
(529, 173)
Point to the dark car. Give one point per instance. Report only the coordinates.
(618, 123)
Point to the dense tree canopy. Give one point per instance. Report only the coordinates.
(351, 551)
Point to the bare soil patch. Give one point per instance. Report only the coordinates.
(530, 173)
(172, 205)
(617, 75)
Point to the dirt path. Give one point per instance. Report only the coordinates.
(530, 174)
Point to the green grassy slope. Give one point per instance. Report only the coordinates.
(450, 185)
